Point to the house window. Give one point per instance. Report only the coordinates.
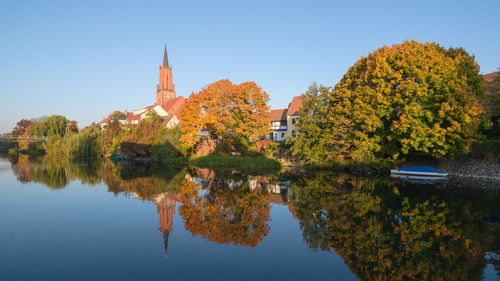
(275, 125)
(293, 121)
(282, 135)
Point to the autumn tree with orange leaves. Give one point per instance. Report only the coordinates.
(226, 111)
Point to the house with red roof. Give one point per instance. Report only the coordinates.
(169, 112)
(488, 78)
(283, 121)
(174, 108)
(278, 124)
(292, 114)
(133, 119)
(115, 115)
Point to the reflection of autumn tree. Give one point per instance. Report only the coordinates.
(226, 215)
(20, 167)
(391, 233)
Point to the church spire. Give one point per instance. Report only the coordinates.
(165, 57)
(165, 90)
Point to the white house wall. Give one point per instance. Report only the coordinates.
(160, 111)
(290, 126)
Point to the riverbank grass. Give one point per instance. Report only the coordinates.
(246, 164)
(366, 167)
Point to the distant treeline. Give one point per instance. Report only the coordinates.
(399, 101)
(147, 140)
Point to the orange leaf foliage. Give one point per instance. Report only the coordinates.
(226, 110)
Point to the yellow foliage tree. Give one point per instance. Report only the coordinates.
(410, 97)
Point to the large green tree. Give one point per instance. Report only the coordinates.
(410, 97)
(54, 125)
(407, 98)
(308, 142)
(86, 144)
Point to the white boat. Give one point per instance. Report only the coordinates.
(424, 171)
(420, 179)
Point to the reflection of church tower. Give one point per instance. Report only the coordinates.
(165, 90)
(166, 209)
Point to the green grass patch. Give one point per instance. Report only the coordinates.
(244, 164)
(372, 167)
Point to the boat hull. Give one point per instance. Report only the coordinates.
(415, 173)
(426, 180)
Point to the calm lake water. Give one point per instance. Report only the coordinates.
(102, 221)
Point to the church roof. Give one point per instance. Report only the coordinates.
(165, 57)
(175, 106)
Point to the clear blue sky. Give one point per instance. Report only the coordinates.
(84, 59)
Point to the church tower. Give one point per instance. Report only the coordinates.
(165, 90)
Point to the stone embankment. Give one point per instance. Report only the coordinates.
(475, 169)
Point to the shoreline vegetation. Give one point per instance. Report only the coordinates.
(407, 104)
(246, 164)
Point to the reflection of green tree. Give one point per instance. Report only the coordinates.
(146, 181)
(54, 177)
(225, 214)
(56, 172)
(89, 172)
(388, 233)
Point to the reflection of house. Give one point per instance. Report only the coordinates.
(283, 121)
(165, 207)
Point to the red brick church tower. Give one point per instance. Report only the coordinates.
(165, 90)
